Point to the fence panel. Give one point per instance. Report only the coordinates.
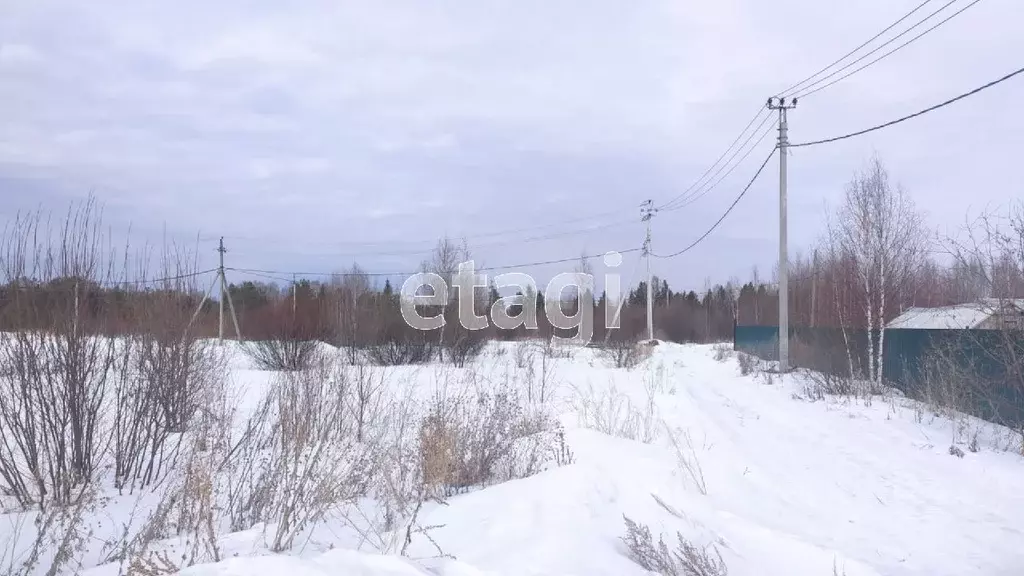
(984, 369)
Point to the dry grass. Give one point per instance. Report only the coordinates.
(480, 438)
(686, 559)
(611, 412)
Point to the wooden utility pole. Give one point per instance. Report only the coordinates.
(225, 294)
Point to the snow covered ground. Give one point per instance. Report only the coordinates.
(779, 484)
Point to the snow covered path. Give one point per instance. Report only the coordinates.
(794, 488)
(869, 483)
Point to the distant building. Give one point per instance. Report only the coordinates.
(987, 314)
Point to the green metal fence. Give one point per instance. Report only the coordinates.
(980, 371)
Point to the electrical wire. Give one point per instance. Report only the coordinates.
(559, 261)
(728, 210)
(257, 271)
(145, 281)
(112, 284)
(887, 54)
(789, 91)
(170, 278)
(668, 205)
(811, 84)
(527, 240)
(730, 171)
(684, 199)
(909, 116)
(460, 237)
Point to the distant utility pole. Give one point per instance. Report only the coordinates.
(225, 294)
(782, 106)
(647, 211)
(814, 289)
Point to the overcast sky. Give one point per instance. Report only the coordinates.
(319, 133)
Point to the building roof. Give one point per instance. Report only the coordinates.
(956, 317)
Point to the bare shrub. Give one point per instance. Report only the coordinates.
(536, 371)
(189, 511)
(525, 352)
(289, 353)
(563, 455)
(365, 398)
(748, 363)
(397, 352)
(818, 385)
(463, 440)
(686, 559)
(163, 373)
(477, 439)
(398, 485)
(623, 352)
(464, 346)
(722, 352)
(300, 454)
(54, 368)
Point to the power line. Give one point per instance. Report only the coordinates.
(271, 273)
(170, 278)
(668, 205)
(111, 284)
(909, 116)
(890, 52)
(261, 275)
(788, 91)
(462, 236)
(559, 261)
(681, 199)
(728, 210)
(700, 195)
(527, 240)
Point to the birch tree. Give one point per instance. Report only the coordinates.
(879, 230)
(444, 261)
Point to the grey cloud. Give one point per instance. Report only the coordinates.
(299, 130)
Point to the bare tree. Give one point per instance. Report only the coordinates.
(444, 262)
(881, 233)
(352, 290)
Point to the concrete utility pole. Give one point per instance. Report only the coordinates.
(781, 105)
(647, 211)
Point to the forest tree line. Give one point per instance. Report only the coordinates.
(875, 259)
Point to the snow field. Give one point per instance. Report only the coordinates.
(779, 485)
